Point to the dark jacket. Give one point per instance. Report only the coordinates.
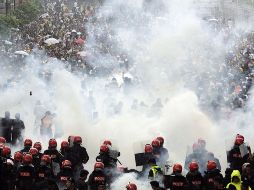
(235, 159)
(195, 180)
(25, 177)
(82, 185)
(209, 179)
(96, 179)
(78, 155)
(175, 181)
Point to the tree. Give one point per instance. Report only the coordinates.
(28, 11)
(7, 22)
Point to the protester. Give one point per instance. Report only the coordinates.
(18, 127)
(46, 125)
(6, 125)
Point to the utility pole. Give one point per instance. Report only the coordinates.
(6, 7)
(222, 5)
(237, 10)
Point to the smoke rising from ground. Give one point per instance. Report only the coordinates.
(164, 48)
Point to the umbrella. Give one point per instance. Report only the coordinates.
(51, 41)
(21, 53)
(213, 20)
(44, 15)
(80, 41)
(15, 29)
(82, 54)
(47, 36)
(6, 42)
(251, 56)
(128, 75)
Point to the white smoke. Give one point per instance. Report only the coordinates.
(162, 47)
(122, 181)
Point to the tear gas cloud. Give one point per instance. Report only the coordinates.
(166, 46)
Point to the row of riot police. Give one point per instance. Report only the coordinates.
(30, 168)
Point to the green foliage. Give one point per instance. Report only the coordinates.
(24, 14)
(28, 11)
(7, 22)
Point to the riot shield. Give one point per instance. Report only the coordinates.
(141, 159)
(244, 149)
(114, 154)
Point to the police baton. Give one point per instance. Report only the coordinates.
(119, 162)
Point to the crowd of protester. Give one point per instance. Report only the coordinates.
(60, 31)
(242, 60)
(226, 86)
